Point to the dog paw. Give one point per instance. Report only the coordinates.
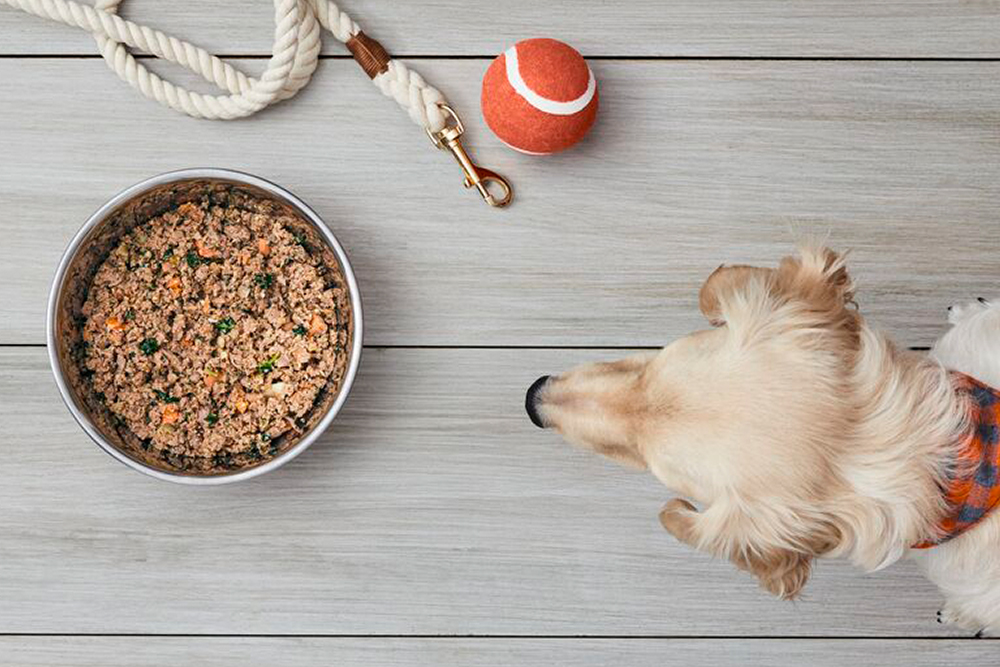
(951, 615)
(677, 518)
(960, 312)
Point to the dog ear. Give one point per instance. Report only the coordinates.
(817, 275)
(723, 283)
(817, 279)
(781, 570)
(784, 572)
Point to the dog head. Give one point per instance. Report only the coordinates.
(743, 418)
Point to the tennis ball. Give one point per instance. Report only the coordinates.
(539, 96)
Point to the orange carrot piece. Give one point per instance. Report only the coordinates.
(171, 415)
(316, 325)
(189, 210)
(174, 283)
(205, 251)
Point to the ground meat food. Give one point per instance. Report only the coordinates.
(213, 331)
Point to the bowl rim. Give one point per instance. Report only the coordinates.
(237, 177)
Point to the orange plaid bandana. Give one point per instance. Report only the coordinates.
(971, 496)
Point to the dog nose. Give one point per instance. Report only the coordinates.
(531, 400)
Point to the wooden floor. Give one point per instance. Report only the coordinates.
(433, 525)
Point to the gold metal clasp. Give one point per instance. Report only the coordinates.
(450, 139)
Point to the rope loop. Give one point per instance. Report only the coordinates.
(294, 56)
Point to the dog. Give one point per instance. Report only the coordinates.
(802, 432)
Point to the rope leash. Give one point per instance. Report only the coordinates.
(294, 56)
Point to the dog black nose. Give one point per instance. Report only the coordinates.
(531, 400)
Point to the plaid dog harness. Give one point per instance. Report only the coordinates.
(973, 495)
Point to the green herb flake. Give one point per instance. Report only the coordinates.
(149, 346)
(212, 418)
(80, 349)
(300, 239)
(264, 280)
(223, 460)
(225, 325)
(300, 330)
(165, 397)
(168, 253)
(266, 367)
(265, 437)
(192, 259)
(129, 315)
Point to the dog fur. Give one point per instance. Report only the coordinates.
(799, 430)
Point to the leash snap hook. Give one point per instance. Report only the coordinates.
(450, 138)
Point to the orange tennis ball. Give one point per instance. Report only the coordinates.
(539, 96)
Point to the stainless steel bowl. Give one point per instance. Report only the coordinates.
(100, 233)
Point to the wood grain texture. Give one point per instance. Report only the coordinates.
(691, 164)
(432, 506)
(392, 652)
(755, 28)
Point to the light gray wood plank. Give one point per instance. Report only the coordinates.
(690, 165)
(433, 506)
(813, 28)
(391, 652)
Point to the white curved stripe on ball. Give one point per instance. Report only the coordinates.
(543, 103)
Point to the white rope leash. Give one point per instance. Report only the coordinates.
(293, 60)
(294, 56)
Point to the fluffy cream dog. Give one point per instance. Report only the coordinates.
(800, 431)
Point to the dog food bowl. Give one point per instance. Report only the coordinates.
(100, 234)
